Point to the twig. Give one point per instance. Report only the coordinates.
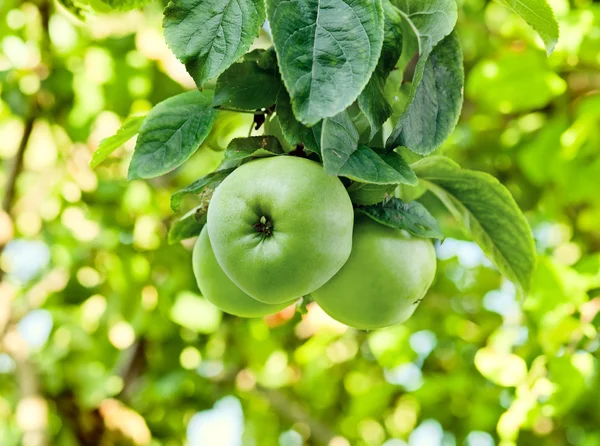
(9, 190)
(7, 205)
(17, 167)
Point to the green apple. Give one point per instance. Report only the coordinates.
(219, 289)
(228, 125)
(280, 227)
(383, 281)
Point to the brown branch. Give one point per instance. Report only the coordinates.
(9, 190)
(7, 205)
(25, 373)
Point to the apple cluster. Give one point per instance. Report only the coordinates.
(279, 228)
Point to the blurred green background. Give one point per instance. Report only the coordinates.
(105, 340)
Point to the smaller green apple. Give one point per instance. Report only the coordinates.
(220, 290)
(383, 281)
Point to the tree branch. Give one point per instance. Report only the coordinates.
(9, 190)
(11, 182)
(7, 205)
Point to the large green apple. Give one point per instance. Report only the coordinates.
(383, 281)
(280, 227)
(219, 289)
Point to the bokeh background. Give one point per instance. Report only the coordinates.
(105, 340)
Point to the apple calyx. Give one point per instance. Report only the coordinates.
(264, 226)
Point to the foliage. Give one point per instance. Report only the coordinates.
(108, 340)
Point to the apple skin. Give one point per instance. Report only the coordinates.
(383, 281)
(220, 290)
(280, 227)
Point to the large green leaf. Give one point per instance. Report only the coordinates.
(344, 156)
(425, 24)
(366, 194)
(429, 21)
(249, 85)
(294, 131)
(327, 51)
(488, 212)
(412, 217)
(171, 133)
(210, 35)
(373, 104)
(372, 100)
(339, 139)
(539, 15)
(433, 113)
(366, 165)
(392, 39)
(128, 130)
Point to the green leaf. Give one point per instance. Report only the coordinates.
(188, 226)
(343, 156)
(241, 149)
(250, 84)
(539, 15)
(210, 35)
(128, 130)
(392, 40)
(339, 140)
(373, 104)
(488, 212)
(212, 180)
(413, 217)
(427, 23)
(396, 161)
(433, 113)
(327, 52)
(366, 165)
(365, 194)
(295, 132)
(171, 133)
(372, 100)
